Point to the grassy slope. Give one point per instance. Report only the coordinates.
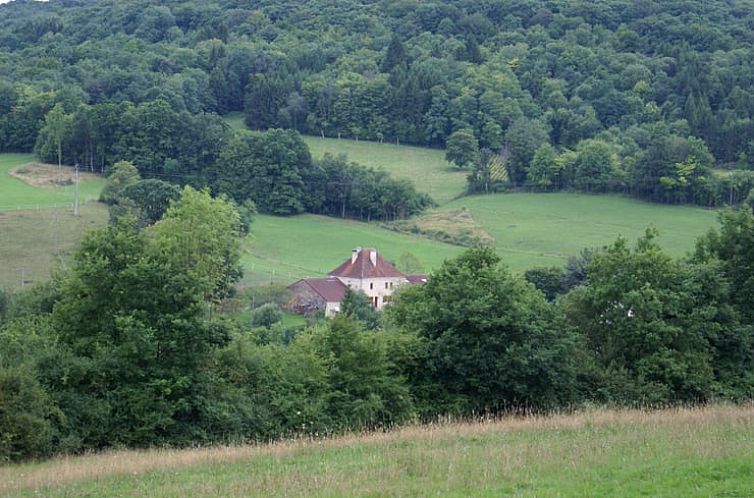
(40, 239)
(425, 167)
(544, 229)
(696, 452)
(39, 236)
(15, 194)
(310, 245)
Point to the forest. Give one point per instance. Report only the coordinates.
(651, 99)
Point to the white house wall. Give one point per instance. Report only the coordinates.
(377, 288)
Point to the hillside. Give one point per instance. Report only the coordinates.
(528, 230)
(545, 229)
(37, 226)
(426, 168)
(688, 452)
(285, 249)
(15, 193)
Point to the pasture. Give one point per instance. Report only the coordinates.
(528, 230)
(705, 451)
(37, 226)
(286, 249)
(426, 168)
(15, 194)
(39, 240)
(545, 229)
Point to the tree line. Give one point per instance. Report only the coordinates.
(129, 346)
(273, 169)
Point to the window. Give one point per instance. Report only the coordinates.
(391, 285)
(386, 299)
(371, 285)
(386, 285)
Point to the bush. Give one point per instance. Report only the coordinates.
(266, 315)
(27, 415)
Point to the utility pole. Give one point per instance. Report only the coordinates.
(23, 276)
(76, 192)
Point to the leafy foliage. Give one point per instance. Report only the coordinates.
(491, 341)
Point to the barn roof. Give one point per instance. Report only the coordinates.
(366, 263)
(332, 290)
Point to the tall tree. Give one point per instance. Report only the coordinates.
(57, 125)
(395, 55)
(462, 148)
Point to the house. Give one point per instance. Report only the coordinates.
(366, 270)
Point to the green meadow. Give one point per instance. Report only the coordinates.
(545, 229)
(426, 168)
(37, 226)
(16, 194)
(38, 240)
(697, 452)
(528, 230)
(286, 249)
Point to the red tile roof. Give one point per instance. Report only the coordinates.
(332, 290)
(363, 267)
(416, 279)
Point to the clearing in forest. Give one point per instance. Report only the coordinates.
(426, 168)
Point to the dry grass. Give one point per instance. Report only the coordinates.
(515, 446)
(455, 226)
(48, 176)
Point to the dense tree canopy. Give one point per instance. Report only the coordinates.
(104, 81)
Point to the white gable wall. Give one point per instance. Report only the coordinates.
(379, 287)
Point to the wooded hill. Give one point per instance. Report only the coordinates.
(638, 97)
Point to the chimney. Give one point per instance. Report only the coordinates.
(355, 254)
(373, 257)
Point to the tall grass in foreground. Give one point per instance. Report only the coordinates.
(702, 451)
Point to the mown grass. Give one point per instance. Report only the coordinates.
(38, 240)
(426, 168)
(680, 452)
(15, 194)
(286, 249)
(528, 230)
(545, 229)
(37, 226)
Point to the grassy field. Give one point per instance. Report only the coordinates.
(688, 452)
(15, 194)
(286, 249)
(37, 240)
(528, 229)
(544, 229)
(426, 168)
(37, 226)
